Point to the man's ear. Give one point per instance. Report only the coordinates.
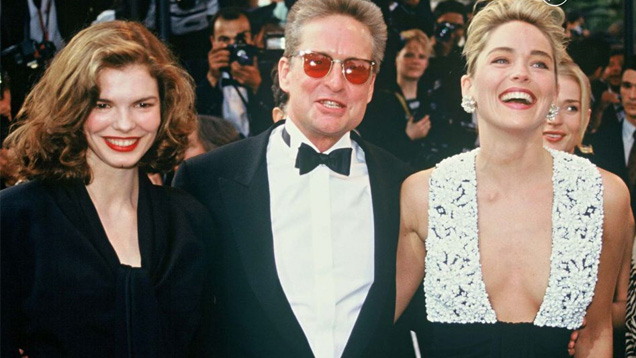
(284, 73)
(212, 41)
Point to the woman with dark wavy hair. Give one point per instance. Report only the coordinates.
(96, 261)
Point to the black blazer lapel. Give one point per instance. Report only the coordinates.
(75, 202)
(245, 198)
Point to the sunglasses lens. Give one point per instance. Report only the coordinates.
(316, 65)
(357, 71)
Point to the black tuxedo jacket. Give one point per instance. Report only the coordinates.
(608, 146)
(255, 318)
(609, 152)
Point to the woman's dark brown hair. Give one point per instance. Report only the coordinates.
(49, 141)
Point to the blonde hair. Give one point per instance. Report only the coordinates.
(363, 11)
(417, 36)
(548, 19)
(49, 141)
(568, 68)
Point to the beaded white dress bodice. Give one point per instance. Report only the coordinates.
(454, 288)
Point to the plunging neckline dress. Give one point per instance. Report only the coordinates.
(461, 320)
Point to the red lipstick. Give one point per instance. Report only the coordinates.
(119, 144)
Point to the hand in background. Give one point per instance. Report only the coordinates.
(218, 58)
(419, 129)
(5, 103)
(573, 338)
(248, 76)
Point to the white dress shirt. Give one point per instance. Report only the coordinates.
(234, 110)
(49, 20)
(322, 224)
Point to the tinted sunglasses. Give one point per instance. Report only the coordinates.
(318, 65)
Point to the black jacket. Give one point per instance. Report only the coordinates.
(256, 319)
(65, 293)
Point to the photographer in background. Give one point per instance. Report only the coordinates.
(450, 23)
(456, 131)
(30, 36)
(234, 87)
(398, 119)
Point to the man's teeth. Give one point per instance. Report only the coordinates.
(331, 104)
(517, 96)
(121, 142)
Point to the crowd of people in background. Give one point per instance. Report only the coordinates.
(231, 49)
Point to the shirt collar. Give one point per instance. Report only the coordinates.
(296, 137)
(628, 128)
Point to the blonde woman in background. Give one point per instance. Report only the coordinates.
(565, 132)
(398, 118)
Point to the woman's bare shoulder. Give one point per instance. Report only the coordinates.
(417, 185)
(615, 192)
(616, 205)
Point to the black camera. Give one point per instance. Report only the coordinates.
(29, 54)
(444, 30)
(242, 52)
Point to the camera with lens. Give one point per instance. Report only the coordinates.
(444, 30)
(242, 52)
(28, 53)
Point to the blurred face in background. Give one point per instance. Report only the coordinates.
(564, 132)
(613, 70)
(456, 19)
(628, 95)
(226, 31)
(411, 61)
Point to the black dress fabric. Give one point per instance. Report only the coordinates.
(385, 120)
(65, 293)
(498, 340)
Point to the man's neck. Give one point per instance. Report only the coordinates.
(211, 79)
(443, 49)
(631, 120)
(321, 142)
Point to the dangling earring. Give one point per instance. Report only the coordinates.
(552, 113)
(468, 104)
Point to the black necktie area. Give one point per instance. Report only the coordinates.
(338, 160)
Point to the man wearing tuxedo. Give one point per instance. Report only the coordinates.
(306, 214)
(613, 143)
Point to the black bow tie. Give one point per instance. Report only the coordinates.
(339, 160)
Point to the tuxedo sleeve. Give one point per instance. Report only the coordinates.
(181, 179)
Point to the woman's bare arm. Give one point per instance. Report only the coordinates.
(620, 296)
(411, 249)
(595, 340)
